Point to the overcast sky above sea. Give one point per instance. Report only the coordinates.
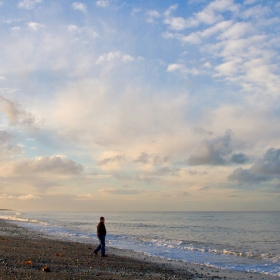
(140, 105)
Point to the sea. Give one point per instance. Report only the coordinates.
(239, 241)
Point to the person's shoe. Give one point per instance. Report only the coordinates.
(103, 256)
(95, 254)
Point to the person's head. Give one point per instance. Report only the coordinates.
(102, 219)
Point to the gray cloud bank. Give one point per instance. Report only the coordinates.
(217, 151)
(55, 164)
(7, 149)
(16, 115)
(117, 158)
(266, 168)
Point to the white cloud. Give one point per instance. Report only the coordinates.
(230, 68)
(180, 67)
(4, 196)
(16, 29)
(34, 26)
(207, 65)
(175, 67)
(208, 15)
(79, 6)
(152, 14)
(135, 11)
(29, 197)
(111, 56)
(193, 38)
(82, 32)
(72, 28)
(255, 12)
(28, 4)
(237, 30)
(170, 9)
(102, 3)
(219, 27)
(179, 23)
(1, 3)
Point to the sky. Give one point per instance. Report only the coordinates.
(161, 105)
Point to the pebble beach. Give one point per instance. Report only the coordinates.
(25, 254)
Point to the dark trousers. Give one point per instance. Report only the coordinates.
(101, 245)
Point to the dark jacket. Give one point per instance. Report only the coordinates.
(101, 229)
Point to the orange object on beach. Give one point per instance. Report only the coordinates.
(46, 269)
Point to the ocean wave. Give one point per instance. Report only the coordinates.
(202, 248)
(218, 253)
(16, 218)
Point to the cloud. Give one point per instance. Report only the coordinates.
(111, 56)
(236, 31)
(192, 38)
(213, 152)
(174, 193)
(206, 188)
(52, 165)
(16, 115)
(135, 11)
(154, 159)
(249, 2)
(246, 176)
(245, 43)
(28, 4)
(7, 148)
(163, 171)
(29, 197)
(266, 168)
(79, 6)
(239, 158)
(102, 3)
(21, 197)
(195, 172)
(218, 27)
(257, 11)
(121, 191)
(5, 137)
(34, 26)
(269, 163)
(181, 68)
(207, 16)
(175, 67)
(82, 32)
(152, 15)
(117, 158)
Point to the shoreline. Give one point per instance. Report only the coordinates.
(24, 253)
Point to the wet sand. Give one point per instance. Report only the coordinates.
(26, 254)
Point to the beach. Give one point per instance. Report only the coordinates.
(26, 254)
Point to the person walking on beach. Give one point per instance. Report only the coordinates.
(101, 234)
